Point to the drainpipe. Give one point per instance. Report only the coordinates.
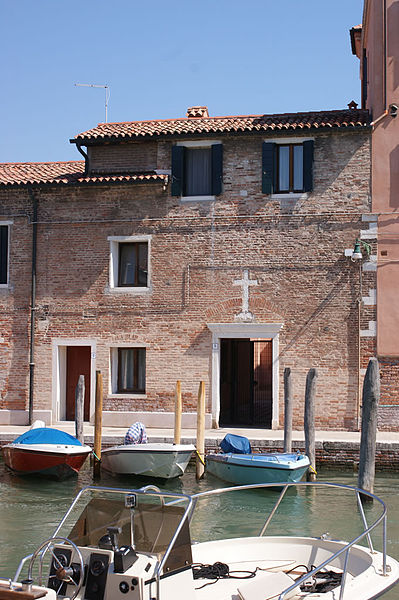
(32, 303)
(85, 156)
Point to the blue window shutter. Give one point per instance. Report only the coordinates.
(217, 168)
(3, 253)
(177, 170)
(268, 159)
(308, 166)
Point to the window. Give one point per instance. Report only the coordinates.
(133, 264)
(129, 263)
(131, 371)
(287, 167)
(364, 79)
(3, 254)
(197, 169)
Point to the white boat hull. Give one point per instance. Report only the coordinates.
(159, 460)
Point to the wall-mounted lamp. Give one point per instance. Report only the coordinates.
(357, 253)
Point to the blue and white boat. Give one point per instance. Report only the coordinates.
(237, 464)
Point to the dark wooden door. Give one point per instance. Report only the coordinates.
(78, 363)
(262, 382)
(245, 382)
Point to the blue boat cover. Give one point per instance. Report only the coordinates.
(46, 435)
(236, 444)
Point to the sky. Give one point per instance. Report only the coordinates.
(158, 58)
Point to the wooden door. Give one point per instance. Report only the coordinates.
(78, 363)
(262, 383)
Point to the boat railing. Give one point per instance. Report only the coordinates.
(169, 498)
(365, 534)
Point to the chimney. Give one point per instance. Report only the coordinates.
(197, 112)
(352, 105)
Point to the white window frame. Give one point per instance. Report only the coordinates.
(198, 144)
(114, 241)
(281, 142)
(8, 225)
(113, 366)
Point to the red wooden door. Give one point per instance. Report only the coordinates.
(78, 363)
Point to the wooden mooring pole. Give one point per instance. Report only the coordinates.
(370, 401)
(287, 410)
(178, 412)
(79, 408)
(200, 466)
(98, 425)
(310, 444)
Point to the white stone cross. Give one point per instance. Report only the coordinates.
(245, 282)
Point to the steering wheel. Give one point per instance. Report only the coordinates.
(64, 573)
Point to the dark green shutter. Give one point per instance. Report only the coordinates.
(268, 158)
(177, 170)
(308, 166)
(217, 169)
(3, 253)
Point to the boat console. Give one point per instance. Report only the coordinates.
(117, 549)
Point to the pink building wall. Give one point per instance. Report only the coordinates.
(378, 39)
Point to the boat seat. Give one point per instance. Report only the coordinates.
(267, 586)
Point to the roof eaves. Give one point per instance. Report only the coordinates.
(84, 181)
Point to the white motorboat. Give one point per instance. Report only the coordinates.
(139, 545)
(160, 460)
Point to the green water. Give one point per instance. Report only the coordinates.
(30, 509)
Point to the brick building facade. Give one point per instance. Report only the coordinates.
(215, 249)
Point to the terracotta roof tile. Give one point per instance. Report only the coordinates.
(63, 173)
(233, 124)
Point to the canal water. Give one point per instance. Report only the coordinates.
(31, 508)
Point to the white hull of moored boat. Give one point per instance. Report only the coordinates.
(160, 460)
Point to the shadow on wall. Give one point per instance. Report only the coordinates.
(394, 177)
(393, 42)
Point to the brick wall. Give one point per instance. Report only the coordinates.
(123, 158)
(293, 248)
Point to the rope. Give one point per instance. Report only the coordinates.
(218, 571)
(200, 457)
(313, 469)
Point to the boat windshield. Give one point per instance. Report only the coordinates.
(148, 523)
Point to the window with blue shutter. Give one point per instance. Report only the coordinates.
(3, 254)
(197, 171)
(177, 170)
(268, 170)
(287, 168)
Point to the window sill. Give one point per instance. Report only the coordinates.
(129, 290)
(290, 196)
(4, 286)
(198, 198)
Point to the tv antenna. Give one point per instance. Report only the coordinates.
(93, 85)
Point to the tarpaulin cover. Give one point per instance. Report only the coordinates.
(236, 444)
(46, 435)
